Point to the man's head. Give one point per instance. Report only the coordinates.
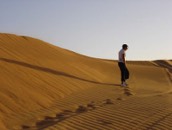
(125, 46)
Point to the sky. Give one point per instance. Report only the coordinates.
(95, 28)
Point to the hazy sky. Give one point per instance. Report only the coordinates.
(94, 28)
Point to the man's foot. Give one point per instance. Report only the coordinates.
(126, 83)
(123, 84)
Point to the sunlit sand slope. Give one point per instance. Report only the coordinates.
(46, 87)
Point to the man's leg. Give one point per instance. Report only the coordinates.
(127, 74)
(122, 68)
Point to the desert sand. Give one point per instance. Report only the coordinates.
(43, 86)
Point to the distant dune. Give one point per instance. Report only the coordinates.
(47, 87)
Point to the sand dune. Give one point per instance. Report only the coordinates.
(46, 87)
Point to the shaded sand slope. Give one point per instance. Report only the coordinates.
(42, 85)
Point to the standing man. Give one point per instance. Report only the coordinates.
(122, 65)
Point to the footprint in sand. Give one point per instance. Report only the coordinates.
(51, 120)
(120, 98)
(127, 91)
(104, 122)
(64, 114)
(25, 127)
(50, 117)
(91, 105)
(108, 101)
(45, 123)
(81, 109)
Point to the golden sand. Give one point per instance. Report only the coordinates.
(46, 87)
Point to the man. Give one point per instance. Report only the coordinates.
(122, 65)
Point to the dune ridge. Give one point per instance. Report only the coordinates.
(48, 87)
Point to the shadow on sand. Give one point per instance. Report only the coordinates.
(51, 71)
